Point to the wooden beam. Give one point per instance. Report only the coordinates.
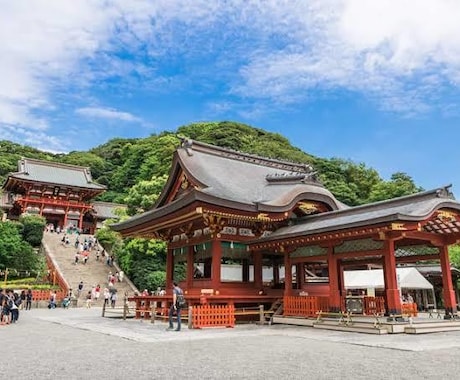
(415, 258)
(308, 259)
(350, 255)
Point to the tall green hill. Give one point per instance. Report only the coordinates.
(135, 170)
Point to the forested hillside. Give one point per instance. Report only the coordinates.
(134, 170)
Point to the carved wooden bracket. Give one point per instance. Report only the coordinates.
(215, 223)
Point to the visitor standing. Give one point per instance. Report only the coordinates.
(106, 296)
(80, 288)
(113, 298)
(29, 298)
(175, 307)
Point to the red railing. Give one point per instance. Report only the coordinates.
(373, 305)
(55, 275)
(44, 295)
(213, 316)
(409, 309)
(304, 306)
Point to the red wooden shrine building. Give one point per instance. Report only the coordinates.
(251, 230)
(59, 192)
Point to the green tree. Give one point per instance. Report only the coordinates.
(454, 255)
(32, 228)
(140, 258)
(144, 194)
(400, 184)
(15, 253)
(108, 238)
(97, 164)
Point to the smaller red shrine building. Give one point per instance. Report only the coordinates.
(286, 234)
(59, 192)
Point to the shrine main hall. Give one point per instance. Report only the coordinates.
(250, 230)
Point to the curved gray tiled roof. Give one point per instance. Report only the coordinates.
(106, 210)
(55, 173)
(249, 179)
(248, 182)
(414, 207)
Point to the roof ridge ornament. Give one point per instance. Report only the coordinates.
(445, 192)
(308, 176)
(187, 145)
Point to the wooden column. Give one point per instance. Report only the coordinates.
(65, 217)
(258, 267)
(80, 221)
(169, 269)
(245, 269)
(300, 275)
(343, 291)
(216, 263)
(190, 266)
(448, 292)
(391, 282)
(276, 272)
(287, 274)
(334, 281)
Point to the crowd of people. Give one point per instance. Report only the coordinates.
(11, 303)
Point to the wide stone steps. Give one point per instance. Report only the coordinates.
(431, 327)
(360, 327)
(92, 273)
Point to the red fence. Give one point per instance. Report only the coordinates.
(373, 305)
(305, 306)
(409, 309)
(55, 276)
(44, 295)
(309, 306)
(213, 316)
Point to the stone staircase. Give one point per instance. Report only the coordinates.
(92, 273)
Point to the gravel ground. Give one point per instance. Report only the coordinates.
(79, 344)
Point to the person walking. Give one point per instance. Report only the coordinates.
(178, 296)
(29, 298)
(80, 288)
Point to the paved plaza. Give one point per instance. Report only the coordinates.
(80, 344)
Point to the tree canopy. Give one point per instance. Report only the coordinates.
(134, 170)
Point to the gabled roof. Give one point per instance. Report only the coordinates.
(33, 170)
(106, 210)
(416, 207)
(264, 183)
(231, 179)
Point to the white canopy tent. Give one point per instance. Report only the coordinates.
(408, 279)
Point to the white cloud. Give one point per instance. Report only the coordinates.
(107, 113)
(401, 53)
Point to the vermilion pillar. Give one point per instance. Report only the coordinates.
(257, 259)
(287, 274)
(300, 275)
(391, 282)
(169, 269)
(80, 221)
(216, 261)
(190, 266)
(276, 272)
(245, 268)
(340, 269)
(334, 282)
(448, 292)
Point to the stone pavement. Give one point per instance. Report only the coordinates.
(80, 344)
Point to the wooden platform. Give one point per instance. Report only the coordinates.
(372, 325)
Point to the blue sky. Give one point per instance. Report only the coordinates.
(374, 82)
